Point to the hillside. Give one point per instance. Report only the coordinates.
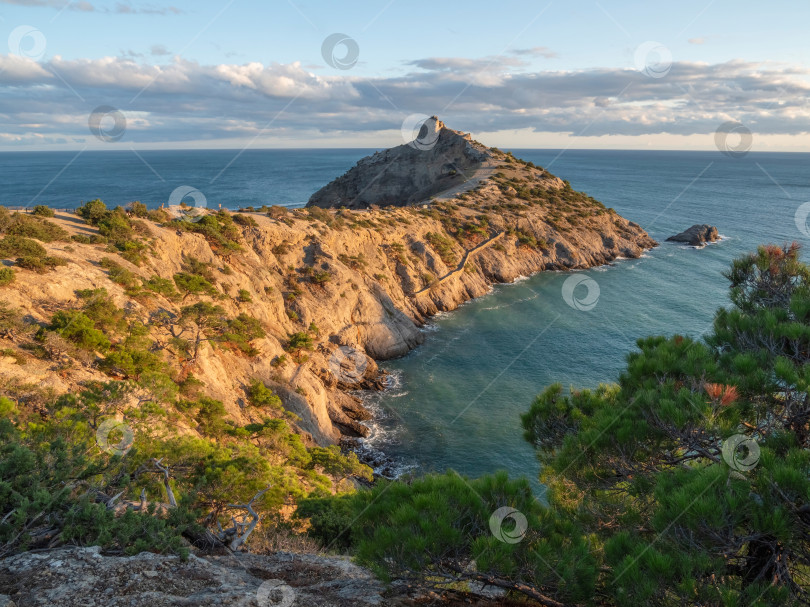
(366, 280)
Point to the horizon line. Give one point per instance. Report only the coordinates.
(265, 149)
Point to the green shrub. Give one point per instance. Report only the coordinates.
(320, 277)
(6, 276)
(218, 229)
(244, 296)
(240, 331)
(77, 327)
(300, 341)
(277, 212)
(194, 284)
(192, 265)
(260, 395)
(40, 264)
(526, 239)
(80, 238)
(35, 227)
(18, 246)
(93, 211)
(115, 227)
(137, 209)
(101, 309)
(336, 464)
(161, 286)
(245, 220)
(42, 210)
(131, 363)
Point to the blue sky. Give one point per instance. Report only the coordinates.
(519, 74)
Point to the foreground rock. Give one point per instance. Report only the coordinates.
(83, 577)
(697, 235)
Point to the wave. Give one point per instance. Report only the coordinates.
(512, 303)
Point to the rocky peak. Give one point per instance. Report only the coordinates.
(436, 160)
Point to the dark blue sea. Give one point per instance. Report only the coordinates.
(455, 401)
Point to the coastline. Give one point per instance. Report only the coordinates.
(371, 449)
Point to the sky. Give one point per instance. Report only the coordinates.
(121, 74)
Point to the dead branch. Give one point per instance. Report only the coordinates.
(241, 530)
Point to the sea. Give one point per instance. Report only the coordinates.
(455, 402)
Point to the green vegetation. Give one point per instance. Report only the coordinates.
(119, 274)
(6, 276)
(161, 286)
(18, 246)
(245, 220)
(194, 284)
(261, 396)
(443, 246)
(64, 479)
(116, 227)
(40, 264)
(300, 341)
(321, 277)
(33, 226)
(42, 210)
(28, 254)
(77, 327)
(219, 229)
(687, 483)
(62, 488)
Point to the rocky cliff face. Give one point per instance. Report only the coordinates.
(439, 159)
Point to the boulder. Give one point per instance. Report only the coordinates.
(699, 234)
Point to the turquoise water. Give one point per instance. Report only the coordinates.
(456, 400)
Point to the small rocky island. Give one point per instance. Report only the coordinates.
(698, 235)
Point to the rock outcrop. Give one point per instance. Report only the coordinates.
(83, 577)
(698, 235)
(439, 159)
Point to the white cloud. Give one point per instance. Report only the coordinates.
(536, 51)
(184, 100)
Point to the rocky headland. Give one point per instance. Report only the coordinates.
(306, 300)
(368, 280)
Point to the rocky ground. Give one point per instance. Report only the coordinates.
(84, 577)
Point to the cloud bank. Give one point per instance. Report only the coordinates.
(49, 102)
